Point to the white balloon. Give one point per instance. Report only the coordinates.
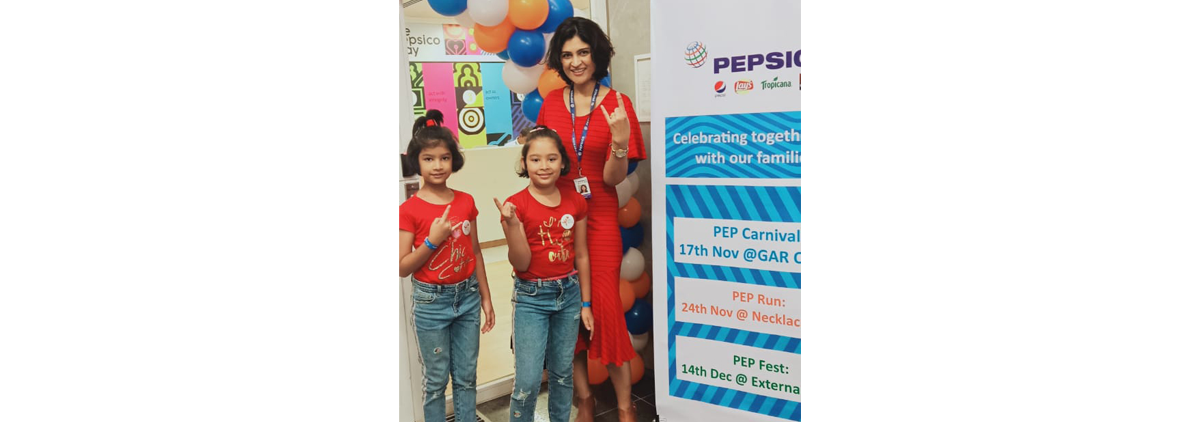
(464, 20)
(624, 192)
(639, 340)
(579, 12)
(488, 12)
(634, 181)
(632, 264)
(521, 79)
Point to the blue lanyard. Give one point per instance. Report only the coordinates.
(579, 144)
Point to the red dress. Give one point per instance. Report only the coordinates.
(610, 344)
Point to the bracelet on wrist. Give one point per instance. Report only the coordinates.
(430, 245)
(587, 304)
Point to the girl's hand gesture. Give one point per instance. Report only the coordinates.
(440, 230)
(508, 212)
(618, 123)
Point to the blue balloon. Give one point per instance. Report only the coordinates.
(448, 7)
(607, 81)
(638, 319)
(631, 237)
(532, 105)
(503, 54)
(526, 48)
(560, 10)
(632, 167)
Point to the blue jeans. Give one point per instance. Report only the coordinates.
(545, 325)
(446, 318)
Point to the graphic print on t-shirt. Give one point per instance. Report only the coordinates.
(558, 251)
(451, 257)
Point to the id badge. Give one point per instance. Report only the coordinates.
(581, 186)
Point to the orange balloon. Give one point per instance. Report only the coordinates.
(637, 369)
(528, 14)
(597, 373)
(493, 39)
(641, 286)
(549, 81)
(626, 295)
(629, 215)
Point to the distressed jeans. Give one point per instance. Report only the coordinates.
(545, 325)
(446, 319)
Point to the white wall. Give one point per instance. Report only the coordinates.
(629, 30)
(408, 388)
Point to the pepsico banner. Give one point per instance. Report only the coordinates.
(726, 167)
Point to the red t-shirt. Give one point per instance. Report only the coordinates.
(550, 232)
(454, 259)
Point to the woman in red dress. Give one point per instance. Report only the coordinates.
(604, 136)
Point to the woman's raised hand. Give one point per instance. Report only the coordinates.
(618, 122)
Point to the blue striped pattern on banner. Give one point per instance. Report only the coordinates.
(771, 203)
(683, 160)
(741, 400)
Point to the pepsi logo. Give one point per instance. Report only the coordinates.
(719, 87)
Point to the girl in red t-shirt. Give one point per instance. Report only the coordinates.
(439, 247)
(546, 230)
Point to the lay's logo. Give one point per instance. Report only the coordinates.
(743, 86)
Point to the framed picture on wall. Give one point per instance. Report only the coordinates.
(641, 71)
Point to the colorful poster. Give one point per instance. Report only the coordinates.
(417, 78)
(726, 167)
(468, 89)
(440, 92)
(496, 105)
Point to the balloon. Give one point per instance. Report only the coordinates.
(549, 81)
(637, 368)
(638, 318)
(464, 20)
(504, 55)
(560, 10)
(639, 341)
(631, 237)
(532, 105)
(526, 48)
(597, 373)
(641, 286)
(632, 164)
(493, 39)
(632, 264)
(528, 14)
(520, 79)
(448, 7)
(626, 294)
(607, 81)
(488, 12)
(624, 192)
(629, 215)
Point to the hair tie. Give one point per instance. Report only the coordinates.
(430, 123)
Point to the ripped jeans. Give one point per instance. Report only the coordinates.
(446, 318)
(545, 325)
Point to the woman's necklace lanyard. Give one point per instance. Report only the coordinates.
(579, 144)
(581, 183)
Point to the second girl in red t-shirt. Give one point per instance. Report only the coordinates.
(546, 230)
